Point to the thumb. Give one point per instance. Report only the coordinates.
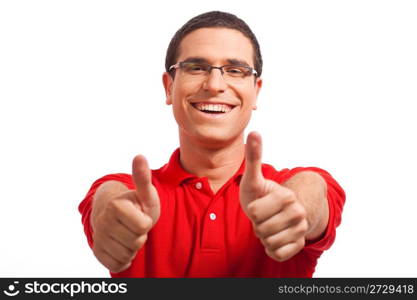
(146, 192)
(252, 177)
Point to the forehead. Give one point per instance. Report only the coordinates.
(216, 45)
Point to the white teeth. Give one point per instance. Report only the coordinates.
(213, 107)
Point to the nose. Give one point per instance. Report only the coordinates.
(215, 82)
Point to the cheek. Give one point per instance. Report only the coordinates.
(183, 91)
(249, 97)
(180, 93)
(185, 88)
(177, 96)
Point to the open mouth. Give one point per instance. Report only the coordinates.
(215, 109)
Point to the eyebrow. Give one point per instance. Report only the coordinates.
(232, 61)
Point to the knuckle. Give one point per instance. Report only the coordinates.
(280, 258)
(98, 224)
(127, 256)
(262, 230)
(112, 208)
(298, 212)
(253, 211)
(278, 194)
(301, 211)
(139, 242)
(303, 227)
(144, 224)
(298, 245)
(96, 251)
(110, 263)
(102, 225)
(99, 239)
(112, 205)
(115, 267)
(279, 255)
(300, 231)
(269, 242)
(301, 243)
(287, 198)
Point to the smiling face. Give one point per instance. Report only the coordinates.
(210, 110)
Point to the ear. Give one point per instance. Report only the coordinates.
(167, 81)
(258, 86)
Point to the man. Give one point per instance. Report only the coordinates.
(214, 210)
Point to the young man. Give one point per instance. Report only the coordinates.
(214, 210)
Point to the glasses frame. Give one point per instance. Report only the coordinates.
(178, 65)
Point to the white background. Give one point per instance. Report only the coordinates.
(81, 94)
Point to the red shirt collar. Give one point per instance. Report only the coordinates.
(174, 174)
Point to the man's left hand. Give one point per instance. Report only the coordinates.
(279, 219)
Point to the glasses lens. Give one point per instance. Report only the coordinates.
(237, 71)
(194, 68)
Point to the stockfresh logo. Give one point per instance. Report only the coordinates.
(11, 290)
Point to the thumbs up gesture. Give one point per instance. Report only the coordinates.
(121, 218)
(278, 219)
(146, 194)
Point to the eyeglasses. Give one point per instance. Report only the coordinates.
(230, 73)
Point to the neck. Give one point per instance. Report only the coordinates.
(217, 164)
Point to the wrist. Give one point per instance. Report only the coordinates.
(311, 192)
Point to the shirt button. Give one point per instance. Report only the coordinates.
(212, 216)
(198, 185)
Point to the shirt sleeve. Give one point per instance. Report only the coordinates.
(336, 199)
(85, 206)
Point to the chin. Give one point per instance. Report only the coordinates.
(215, 137)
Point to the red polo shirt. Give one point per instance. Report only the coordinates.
(202, 234)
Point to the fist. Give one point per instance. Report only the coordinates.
(120, 228)
(278, 218)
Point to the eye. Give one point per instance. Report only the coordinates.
(194, 68)
(236, 71)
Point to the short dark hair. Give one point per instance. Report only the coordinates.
(209, 20)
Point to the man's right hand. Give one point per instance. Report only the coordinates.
(121, 222)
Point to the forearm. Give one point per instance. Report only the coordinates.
(104, 193)
(311, 190)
